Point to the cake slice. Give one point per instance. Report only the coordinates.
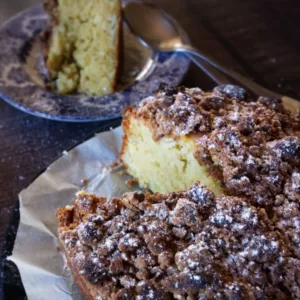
(184, 245)
(84, 45)
(225, 139)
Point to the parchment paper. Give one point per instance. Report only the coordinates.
(41, 264)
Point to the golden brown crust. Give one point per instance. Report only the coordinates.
(129, 112)
(120, 48)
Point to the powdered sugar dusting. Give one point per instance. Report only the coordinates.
(154, 246)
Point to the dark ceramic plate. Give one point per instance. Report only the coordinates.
(22, 74)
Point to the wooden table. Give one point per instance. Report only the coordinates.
(258, 38)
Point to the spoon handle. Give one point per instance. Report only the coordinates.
(247, 83)
(209, 70)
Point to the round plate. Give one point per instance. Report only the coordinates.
(22, 74)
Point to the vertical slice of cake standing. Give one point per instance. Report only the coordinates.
(84, 45)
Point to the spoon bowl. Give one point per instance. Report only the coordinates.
(152, 25)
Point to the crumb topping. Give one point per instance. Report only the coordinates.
(185, 245)
(252, 146)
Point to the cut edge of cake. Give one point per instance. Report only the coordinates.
(139, 148)
(74, 60)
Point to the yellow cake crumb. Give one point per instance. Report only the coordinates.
(68, 78)
(165, 165)
(83, 52)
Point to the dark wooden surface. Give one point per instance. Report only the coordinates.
(259, 38)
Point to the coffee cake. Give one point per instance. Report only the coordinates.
(230, 142)
(183, 245)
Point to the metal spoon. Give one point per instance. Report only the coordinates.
(162, 33)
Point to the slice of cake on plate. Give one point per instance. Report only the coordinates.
(184, 245)
(84, 45)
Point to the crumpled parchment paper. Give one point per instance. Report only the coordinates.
(41, 263)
